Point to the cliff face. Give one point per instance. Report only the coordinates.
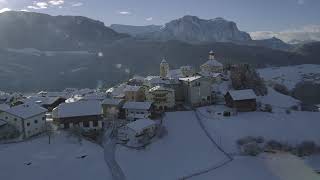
(193, 29)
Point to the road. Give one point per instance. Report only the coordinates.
(109, 145)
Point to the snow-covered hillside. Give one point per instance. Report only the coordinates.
(184, 151)
(263, 167)
(62, 159)
(291, 75)
(292, 128)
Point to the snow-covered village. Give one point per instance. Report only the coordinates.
(216, 121)
(159, 90)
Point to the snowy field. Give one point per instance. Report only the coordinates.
(292, 128)
(37, 160)
(184, 151)
(278, 100)
(263, 167)
(291, 75)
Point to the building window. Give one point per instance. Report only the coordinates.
(6, 117)
(28, 124)
(86, 124)
(36, 121)
(95, 123)
(43, 118)
(15, 119)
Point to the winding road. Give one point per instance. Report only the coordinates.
(109, 145)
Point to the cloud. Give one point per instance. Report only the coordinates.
(38, 5)
(77, 4)
(124, 12)
(149, 19)
(4, 10)
(305, 33)
(24, 10)
(56, 2)
(42, 5)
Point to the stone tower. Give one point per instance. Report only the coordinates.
(211, 55)
(164, 69)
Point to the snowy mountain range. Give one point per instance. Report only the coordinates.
(190, 29)
(82, 52)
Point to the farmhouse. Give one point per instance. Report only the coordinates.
(113, 107)
(138, 128)
(29, 119)
(197, 90)
(47, 102)
(134, 93)
(241, 100)
(137, 110)
(84, 114)
(162, 98)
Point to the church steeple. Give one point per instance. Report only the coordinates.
(211, 55)
(164, 68)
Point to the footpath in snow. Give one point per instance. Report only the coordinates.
(184, 151)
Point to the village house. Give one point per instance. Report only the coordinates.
(139, 128)
(138, 110)
(197, 90)
(113, 108)
(84, 114)
(241, 100)
(29, 119)
(4, 107)
(134, 93)
(46, 102)
(162, 98)
(212, 65)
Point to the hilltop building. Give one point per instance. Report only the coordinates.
(212, 65)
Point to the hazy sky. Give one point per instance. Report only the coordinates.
(250, 15)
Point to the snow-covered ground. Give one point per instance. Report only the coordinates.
(59, 160)
(185, 150)
(291, 75)
(278, 100)
(292, 128)
(263, 167)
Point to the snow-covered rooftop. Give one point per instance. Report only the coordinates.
(160, 88)
(141, 125)
(156, 80)
(190, 79)
(79, 108)
(137, 105)
(213, 62)
(25, 111)
(112, 101)
(41, 100)
(132, 88)
(4, 107)
(242, 94)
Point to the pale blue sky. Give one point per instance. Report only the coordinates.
(250, 15)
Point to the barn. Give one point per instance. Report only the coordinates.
(241, 100)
